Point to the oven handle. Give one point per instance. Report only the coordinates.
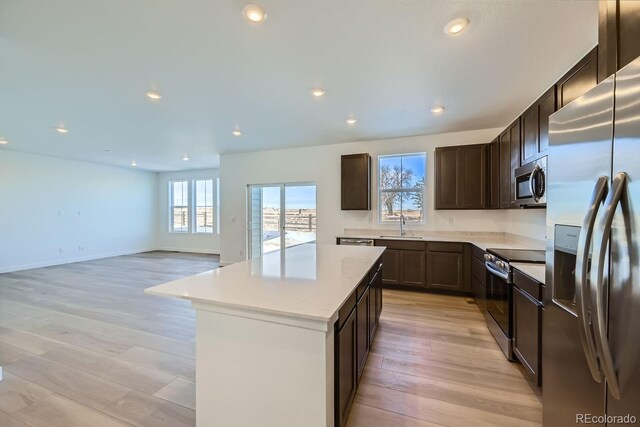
(583, 297)
(597, 276)
(497, 272)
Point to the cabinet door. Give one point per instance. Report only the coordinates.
(412, 268)
(527, 321)
(356, 182)
(505, 169)
(373, 304)
(346, 369)
(579, 80)
(546, 107)
(514, 131)
(362, 335)
(493, 174)
(379, 294)
(473, 175)
(391, 262)
(530, 134)
(479, 294)
(445, 270)
(446, 174)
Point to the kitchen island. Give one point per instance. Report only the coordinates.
(266, 334)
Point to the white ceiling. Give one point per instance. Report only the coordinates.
(88, 64)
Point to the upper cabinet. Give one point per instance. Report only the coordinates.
(535, 127)
(493, 174)
(579, 80)
(618, 35)
(356, 182)
(509, 141)
(461, 177)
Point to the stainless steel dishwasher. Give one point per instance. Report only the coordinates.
(355, 242)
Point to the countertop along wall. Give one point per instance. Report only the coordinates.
(321, 164)
(56, 211)
(184, 242)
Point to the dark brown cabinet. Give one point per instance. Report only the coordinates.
(362, 315)
(356, 182)
(346, 382)
(527, 324)
(618, 35)
(579, 80)
(461, 177)
(493, 174)
(514, 131)
(404, 263)
(354, 333)
(447, 267)
(509, 162)
(535, 127)
(479, 278)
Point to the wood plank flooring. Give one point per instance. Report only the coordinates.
(82, 345)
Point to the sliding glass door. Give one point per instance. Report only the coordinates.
(280, 216)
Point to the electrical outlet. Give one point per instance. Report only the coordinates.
(79, 213)
(80, 248)
(233, 219)
(60, 213)
(60, 250)
(450, 220)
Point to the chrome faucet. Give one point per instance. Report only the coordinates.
(402, 224)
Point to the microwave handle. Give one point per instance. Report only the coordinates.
(532, 177)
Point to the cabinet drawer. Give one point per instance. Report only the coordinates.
(346, 309)
(408, 245)
(446, 247)
(528, 285)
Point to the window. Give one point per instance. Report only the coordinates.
(401, 180)
(179, 209)
(203, 205)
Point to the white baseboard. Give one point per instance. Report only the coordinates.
(50, 263)
(191, 250)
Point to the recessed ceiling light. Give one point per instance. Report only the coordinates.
(134, 163)
(152, 94)
(254, 13)
(318, 92)
(456, 26)
(3, 141)
(351, 121)
(237, 132)
(185, 157)
(437, 110)
(62, 129)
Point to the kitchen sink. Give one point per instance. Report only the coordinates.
(402, 237)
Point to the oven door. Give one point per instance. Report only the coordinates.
(499, 298)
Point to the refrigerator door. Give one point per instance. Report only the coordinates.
(580, 157)
(624, 295)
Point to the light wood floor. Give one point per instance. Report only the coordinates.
(81, 345)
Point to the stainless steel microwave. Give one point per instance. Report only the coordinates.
(531, 184)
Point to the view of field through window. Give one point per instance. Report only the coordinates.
(401, 185)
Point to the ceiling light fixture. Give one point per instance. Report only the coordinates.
(237, 132)
(153, 95)
(106, 150)
(62, 129)
(185, 157)
(3, 141)
(318, 92)
(254, 13)
(436, 110)
(134, 163)
(456, 26)
(351, 121)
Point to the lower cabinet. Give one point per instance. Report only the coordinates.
(479, 278)
(527, 325)
(354, 333)
(404, 263)
(448, 266)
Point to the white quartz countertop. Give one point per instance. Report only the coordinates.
(483, 240)
(535, 271)
(308, 281)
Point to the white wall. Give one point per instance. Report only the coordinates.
(321, 164)
(185, 242)
(86, 210)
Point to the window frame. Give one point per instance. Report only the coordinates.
(172, 206)
(194, 199)
(423, 190)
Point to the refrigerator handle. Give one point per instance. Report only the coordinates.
(597, 277)
(582, 284)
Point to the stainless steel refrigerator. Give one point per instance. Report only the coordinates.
(591, 327)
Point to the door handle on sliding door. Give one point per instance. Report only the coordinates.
(601, 243)
(582, 283)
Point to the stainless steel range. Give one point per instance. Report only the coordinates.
(500, 292)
